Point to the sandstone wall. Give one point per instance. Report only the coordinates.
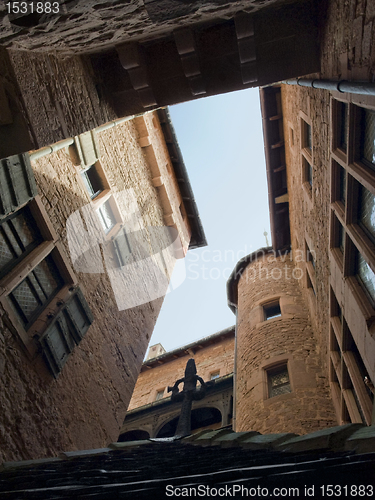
(85, 407)
(309, 211)
(88, 25)
(261, 344)
(216, 357)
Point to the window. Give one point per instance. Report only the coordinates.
(215, 375)
(307, 172)
(367, 141)
(92, 181)
(366, 211)
(108, 215)
(278, 381)
(366, 276)
(35, 292)
(306, 154)
(353, 398)
(19, 235)
(306, 135)
(159, 395)
(37, 286)
(272, 310)
(340, 118)
(310, 268)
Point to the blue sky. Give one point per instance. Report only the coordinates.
(221, 141)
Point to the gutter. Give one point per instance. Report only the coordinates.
(343, 86)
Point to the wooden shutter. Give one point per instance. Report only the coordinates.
(17, 183)
(66, 331)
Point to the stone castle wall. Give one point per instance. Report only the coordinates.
(90, 25)
(86, 405)
(217, 357)
(262, 344)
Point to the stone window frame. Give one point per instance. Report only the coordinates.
(215, 374)
(307, 160)
(102, 177)
(269, 304)
(344, 212)
(269, 367)
(310, 267)
(159, 394)
(49, 246)
(351, 398)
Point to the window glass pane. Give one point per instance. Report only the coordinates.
(308, 139)
(341, 237)
(92, 181)
(342, 185)
(368, 136)
(308, 174)
(343, 112)
(25, 299)
(106, 216)
(278, 382)
(18, 236)
(159, 395)
(7, 252)
(367, 277)
(366, 211)
(272, 311)
(48, 277)
(30, 296)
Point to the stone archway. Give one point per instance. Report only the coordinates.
(135, 435)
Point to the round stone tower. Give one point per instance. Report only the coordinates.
(279, 384)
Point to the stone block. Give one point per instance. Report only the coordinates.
(266, 441)
(362, 440)
(332, 438)
(233, 439)
(84, 453)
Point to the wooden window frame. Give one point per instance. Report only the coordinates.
(49, 246)
(349, 393)
(274, 369)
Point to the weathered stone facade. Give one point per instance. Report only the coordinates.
(89, 25)
(151, 409)
(85, 406)
(288, 339)
(216, 357)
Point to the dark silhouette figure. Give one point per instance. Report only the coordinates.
(188, 394)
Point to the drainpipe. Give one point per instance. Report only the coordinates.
(39, 153)
(121, 120)
(51, 149)
(364, 88)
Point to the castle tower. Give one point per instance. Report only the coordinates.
(279, 385)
